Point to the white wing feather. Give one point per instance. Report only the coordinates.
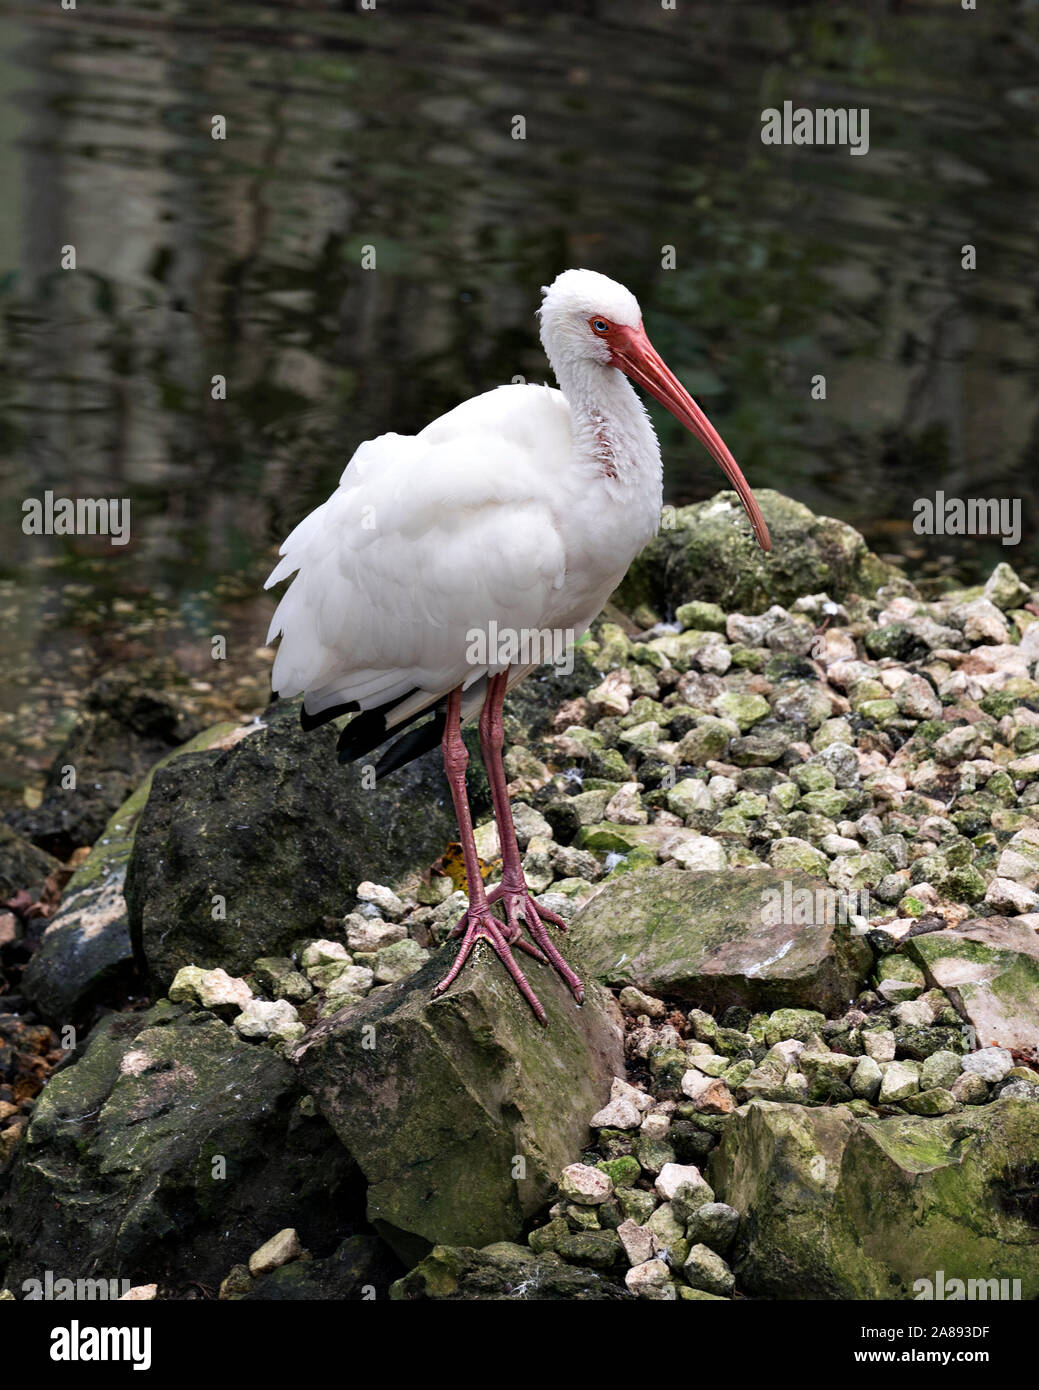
(427, 538)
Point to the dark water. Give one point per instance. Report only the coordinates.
(392, 128)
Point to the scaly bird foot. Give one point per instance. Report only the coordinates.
(482, 923)
(519, 903)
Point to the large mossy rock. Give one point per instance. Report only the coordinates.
(503, 1271)
(461, 1111)
(129, 720)
(837, 1207)
(710, 553)
(989, 968)
(710, 938)
(281, 834)
(86, 948)
(169, 1152)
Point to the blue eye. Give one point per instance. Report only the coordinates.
(600, 325)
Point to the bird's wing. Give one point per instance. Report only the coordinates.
(428, 539)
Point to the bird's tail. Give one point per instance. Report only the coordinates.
(373, 727)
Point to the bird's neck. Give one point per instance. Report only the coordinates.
(613, 437)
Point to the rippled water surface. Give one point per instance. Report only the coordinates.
(392, 128)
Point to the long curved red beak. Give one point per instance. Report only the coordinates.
(636, 356)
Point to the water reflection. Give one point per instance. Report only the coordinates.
(241, 259)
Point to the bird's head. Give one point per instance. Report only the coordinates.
(588, 315)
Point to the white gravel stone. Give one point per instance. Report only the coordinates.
(913, 1013)
(140, 1293)
(633, 1001)
(656, 1124)
(640, 1244)
(688, 796)
(487, 841)
(351, 979)
(213, 989)
(651, 1280)
(277, 1251)
(694, 1082)
(584, 1185)
(717, 659)
(528, 822)
(385, 899)
(537, 864)
(990, 1063)
(786, 1051)
(260, 1019)
(957, 744)
(866, 1079)
(899, 1080)
(925, 893)
(983, 622)
(699, 852)
(1011, 898)
(915, 697)
(722, 789)
(623, 1090)
(369, 934)
(839, 844)
(1020, 860)
(617, 1114)
(879, 1044)
(625, 806)
(613, 695)
(711, 1063)
(323, 952)
(672, 1176)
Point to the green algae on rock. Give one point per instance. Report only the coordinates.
(461, 1111)
(839, 1207)
(502, 1271)
(709, 556)
(989, 967)
(171, 1149)
(706, 936)
(279, 831)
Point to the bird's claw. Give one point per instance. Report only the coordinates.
(518, 903)
(481, 922)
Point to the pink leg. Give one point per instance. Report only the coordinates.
(479, 920)
(513, 890)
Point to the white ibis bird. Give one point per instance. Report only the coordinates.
(519, 511)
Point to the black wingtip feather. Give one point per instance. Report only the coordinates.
(412, 745)
(308, 722)
(368, 730)
(362, 734)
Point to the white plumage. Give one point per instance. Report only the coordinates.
(499, 510)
